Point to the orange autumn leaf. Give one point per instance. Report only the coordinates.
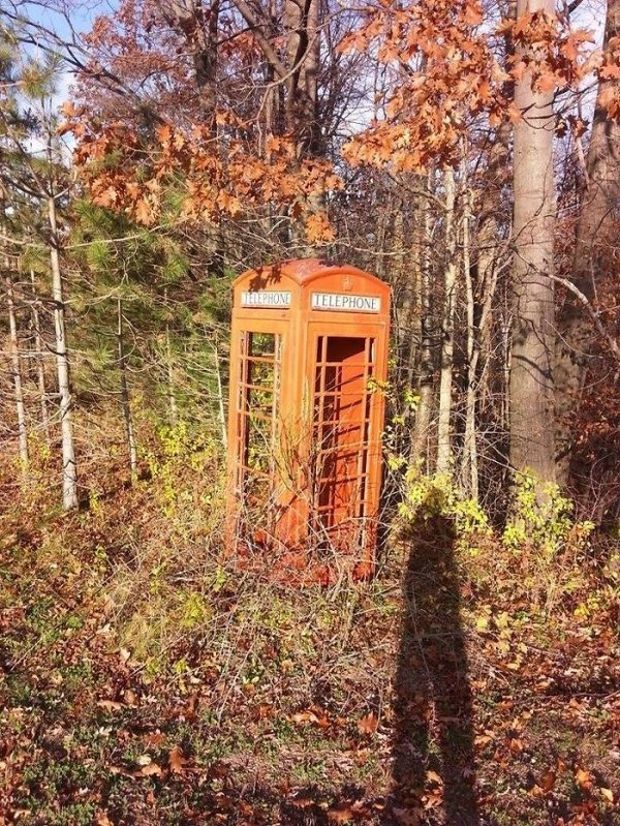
(151, 770)
(144, 212)
(584, 779)
(472, 14)
(368, 723)
(229, 203)
(69, 109)
(176, 760)
(318, 229)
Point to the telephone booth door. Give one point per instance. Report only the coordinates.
(258, 411)
(341, 448)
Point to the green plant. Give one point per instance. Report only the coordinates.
(429, 496)
(194, 610)
(544, 523)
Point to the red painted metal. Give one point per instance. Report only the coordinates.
(308, 358)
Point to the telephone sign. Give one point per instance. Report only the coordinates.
(266, 298)
(346, 303)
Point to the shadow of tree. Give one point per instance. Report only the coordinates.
(433, 707)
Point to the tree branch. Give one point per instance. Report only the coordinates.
(583, 300)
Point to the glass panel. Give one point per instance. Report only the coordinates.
(261, 373)
(259, 443)
(262, 344)
(258, 408)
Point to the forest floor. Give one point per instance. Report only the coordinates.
(145, 681)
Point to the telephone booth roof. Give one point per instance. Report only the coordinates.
(303, 271)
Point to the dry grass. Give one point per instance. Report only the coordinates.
(147, 680)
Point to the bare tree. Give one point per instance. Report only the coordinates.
(444, 450)
(69, 467)
(39, 356)
(20, 407)
(132, 453)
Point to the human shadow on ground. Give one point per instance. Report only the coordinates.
(433, 745)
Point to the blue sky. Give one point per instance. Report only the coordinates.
(63, 16)
(65, 19)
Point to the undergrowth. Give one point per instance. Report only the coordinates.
(147, 680)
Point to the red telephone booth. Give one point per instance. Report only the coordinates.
(307, 363)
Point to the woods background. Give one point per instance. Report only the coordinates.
(466, 152)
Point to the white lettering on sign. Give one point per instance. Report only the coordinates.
(346, 303)
(266, 298)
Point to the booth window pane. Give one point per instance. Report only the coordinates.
(257, 408)
(262, 344)
(342, 409)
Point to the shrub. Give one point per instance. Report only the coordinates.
(536, 561)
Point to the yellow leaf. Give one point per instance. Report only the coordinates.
(482, 623)
(151, 770)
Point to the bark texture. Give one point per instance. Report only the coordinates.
(469, 472)
(532, 442)
(444, 450)
(69, 467)
(199, 26)
(421, 428)
(39, 356)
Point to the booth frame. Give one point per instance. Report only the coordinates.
(314, 352)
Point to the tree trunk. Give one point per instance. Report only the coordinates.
(199, 26)
(69, 467)
(444, 450)
(132, 454)
(419, 437)
(382, 221)
(411, 273)
(470, 448)
(591, 257)
(296, 66)
(40, 361)
(172, 402)
(220, 396)
(404, 275)
(301, 22)
(18, 389)
(491, 249)
(532, 443)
